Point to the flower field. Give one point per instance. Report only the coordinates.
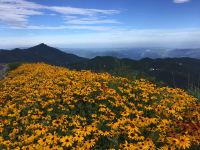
(48, 107)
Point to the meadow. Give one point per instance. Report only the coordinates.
(49, 107)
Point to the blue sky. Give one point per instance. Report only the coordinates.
(100, 23)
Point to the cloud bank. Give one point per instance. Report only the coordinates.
(116, 37)
(181, 1)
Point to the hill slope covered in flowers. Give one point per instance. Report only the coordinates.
(48, 107)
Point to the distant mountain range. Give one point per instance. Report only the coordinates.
(136, 53)
(191, 53)
(131, 53)
(176, 72)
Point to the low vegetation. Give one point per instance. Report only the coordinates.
(13, 66)
(48, 107)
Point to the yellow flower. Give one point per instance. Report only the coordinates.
(42, 142)
(67, 141)
(132, 128)
(184, 142)
(127, 146)
(90, 143)
(78, 138)
(40, 102)
(173, 141)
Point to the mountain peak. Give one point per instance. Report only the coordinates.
(42, 45)
(40, 53)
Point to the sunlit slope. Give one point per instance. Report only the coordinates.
(47, 107)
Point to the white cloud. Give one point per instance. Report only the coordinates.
(71, 27)
(181, 1)
(17, 12)
(81, 11)
(95, 28)
(89, 20)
